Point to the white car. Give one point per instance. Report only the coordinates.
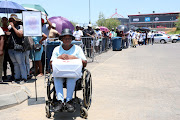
(161, 38)
(175, 38)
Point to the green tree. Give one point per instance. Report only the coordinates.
(109, 23)
(112, 23)
(102, 20)
(178, 23)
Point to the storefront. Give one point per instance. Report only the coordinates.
(154, 20)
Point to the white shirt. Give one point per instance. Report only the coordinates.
(1, 31)
(78, 34)
(45, 29)
(152, 35)
(98, 33)
(133, 35)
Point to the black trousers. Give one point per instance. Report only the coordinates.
(6, 60)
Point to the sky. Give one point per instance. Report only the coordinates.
(78, 10)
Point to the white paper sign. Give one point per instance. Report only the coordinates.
(32, 25)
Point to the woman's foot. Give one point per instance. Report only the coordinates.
(40, 75)
(70, 106)
(58, 106)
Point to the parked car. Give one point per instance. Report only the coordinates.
(161, 38)
(175, 38)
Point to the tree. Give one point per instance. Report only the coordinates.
(112, 23)
(109, 23)
(178, 23)
(101, 21)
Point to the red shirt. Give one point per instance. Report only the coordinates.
(5, 29)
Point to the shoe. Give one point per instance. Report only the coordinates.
(29, 76)
(70, 106)
(22, 81)
(58, 106)
(4, 78)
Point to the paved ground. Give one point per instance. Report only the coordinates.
(135, 84)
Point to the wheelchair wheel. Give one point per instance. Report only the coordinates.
(50, 89)
(83, 112)
(87, 89)
(48, 113)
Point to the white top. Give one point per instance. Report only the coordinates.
(133, 35)
(98, 33)
(152, 35)
(1, 31)
(75, 50)
(45, 29)
(78, 34)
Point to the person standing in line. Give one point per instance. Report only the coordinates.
(4, 21)
(78, 33)
(152, 38)
(98, 36)
(134, 34)
(17, 57)
(129, 38)
(149, 37)
(53, 33)
(88, 41)
(1, 53)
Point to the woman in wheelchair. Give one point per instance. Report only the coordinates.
(66, 51)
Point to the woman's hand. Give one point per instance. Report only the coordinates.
(63, 56)
(66, 57)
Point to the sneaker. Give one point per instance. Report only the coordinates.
(29, 76)
(22, 81)
(58, 106)
(70, 106)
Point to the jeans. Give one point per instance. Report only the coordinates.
(1, 66)
(70, 83)
(26, 55)
(18, 60)
(129, 42)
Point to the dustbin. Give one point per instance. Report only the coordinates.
(116, 43)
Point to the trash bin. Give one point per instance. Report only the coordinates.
(116, 43)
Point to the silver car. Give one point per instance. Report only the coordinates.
(161, 38)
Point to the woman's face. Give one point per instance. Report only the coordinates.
(67, 39)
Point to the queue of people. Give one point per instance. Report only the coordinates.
(92, 39)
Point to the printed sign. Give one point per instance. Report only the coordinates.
(147, 19)
(32, 23)
(136, 20)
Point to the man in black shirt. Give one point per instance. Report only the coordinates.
(89, 33)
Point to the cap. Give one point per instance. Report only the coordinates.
(54, 25)
(89, 25)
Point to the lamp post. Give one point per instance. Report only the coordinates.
(89, 12)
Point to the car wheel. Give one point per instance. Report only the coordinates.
(174, 41)
(162, 41)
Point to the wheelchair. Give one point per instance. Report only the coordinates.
(84, 84)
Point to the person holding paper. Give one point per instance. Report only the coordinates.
(66, 51)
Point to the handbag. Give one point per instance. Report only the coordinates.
(28, 43)
(17, 47)
(37, 47)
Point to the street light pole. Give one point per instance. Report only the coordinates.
(89, 12)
